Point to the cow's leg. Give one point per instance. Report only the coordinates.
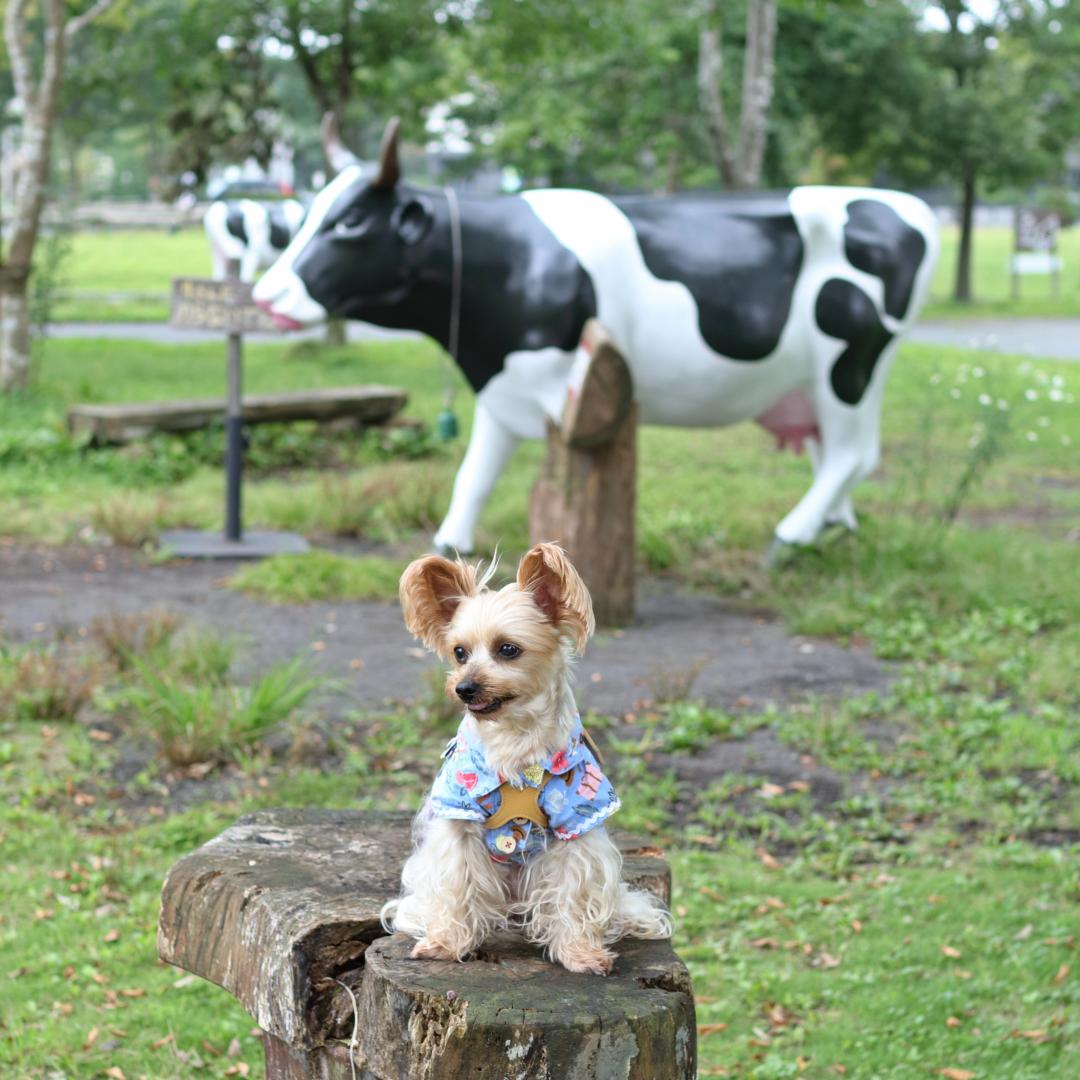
(849, 451)
(217, 257)
(842, 511)
(249, 264)
(490, 447)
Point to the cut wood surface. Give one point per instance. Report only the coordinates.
(282, 910)
(600, 394)
(584, 497)
(372, 404)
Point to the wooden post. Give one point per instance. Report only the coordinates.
(282, 910)
(585, 495)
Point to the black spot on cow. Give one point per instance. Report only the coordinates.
(845, 312)
(280, 233)
(878, 241)
(234, 222)
(385, 257)
(739, 258)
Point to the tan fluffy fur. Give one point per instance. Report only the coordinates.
(569, 898)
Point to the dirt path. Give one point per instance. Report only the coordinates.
(744, 660)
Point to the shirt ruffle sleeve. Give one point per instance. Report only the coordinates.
(579, 800)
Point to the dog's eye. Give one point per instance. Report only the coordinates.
(509, 651)
(460, 655)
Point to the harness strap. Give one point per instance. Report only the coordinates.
(518, 802)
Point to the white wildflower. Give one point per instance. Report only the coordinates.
(1066, 441)
(1031, 437)
(1058, 380)
(1031, 395)
(1056, 395)
(1002, 404)
(935, 378)
(978, 372)
(954, 393)
(1043, 421)
(985, 399)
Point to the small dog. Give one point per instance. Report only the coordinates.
(513, 827)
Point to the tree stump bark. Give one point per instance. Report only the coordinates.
(282, 910)
(585, 495)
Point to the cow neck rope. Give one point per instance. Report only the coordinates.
(455, 285)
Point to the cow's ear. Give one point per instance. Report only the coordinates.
(412, 220)
(389, 167)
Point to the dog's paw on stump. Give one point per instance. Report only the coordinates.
(282, 909)
(511, 1012)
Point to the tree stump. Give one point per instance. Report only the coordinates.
(585, 495)
(282, 910)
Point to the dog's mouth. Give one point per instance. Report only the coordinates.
(487, 708)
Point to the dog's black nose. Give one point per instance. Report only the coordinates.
(467, 690)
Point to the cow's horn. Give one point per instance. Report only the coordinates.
(389, 168)
(338, 154)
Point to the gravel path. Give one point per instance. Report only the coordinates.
(745, 659)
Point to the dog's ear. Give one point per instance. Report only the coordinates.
(431, 590)
(557, 590)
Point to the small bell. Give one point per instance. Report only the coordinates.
(446, 426)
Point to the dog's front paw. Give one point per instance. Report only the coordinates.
(587, 961)
(429, 949)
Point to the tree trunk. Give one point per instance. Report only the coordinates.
(962, 289)
(39, 97)
(14, 329)
(757, 92)
(738, 162)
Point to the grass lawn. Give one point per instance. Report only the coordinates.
(922, 925)
(991, 282)
(126, 276)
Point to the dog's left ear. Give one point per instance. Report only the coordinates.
(431, 590)
(557, 590)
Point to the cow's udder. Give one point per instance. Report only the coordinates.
(792, 420)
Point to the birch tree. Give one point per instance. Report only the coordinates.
(738, 155)
(37, 72)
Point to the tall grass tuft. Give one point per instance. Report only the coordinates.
(45, 684)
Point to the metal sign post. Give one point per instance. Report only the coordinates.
(204, 304)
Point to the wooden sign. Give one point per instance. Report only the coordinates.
(205, 304)
(1035, 240)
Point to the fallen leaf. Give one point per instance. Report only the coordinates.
(710, 1029)
(961, 973)
(798, 785)
(770, 791)
(157, 1044)
(115, 1073)
(112, 935)
(1035, 1036)
(767, 860)
(956, 1074)
(234, 1048)
(133, 992)
(949, 951)
(953, 1022)
(841, 1069)
(1024, 933)
(826, 960)
(765, 943)
(41, 914)
(91, 1037)
(241, 1068)
(1061, 976)
(98, 735)
(186, 980)
(933, 898)
(856, 926)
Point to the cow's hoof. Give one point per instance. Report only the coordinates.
(780, 554)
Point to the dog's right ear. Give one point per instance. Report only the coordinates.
(431, 590)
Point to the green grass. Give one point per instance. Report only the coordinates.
(321, 575)
(813, 926)
(126, 275)
(991, 283)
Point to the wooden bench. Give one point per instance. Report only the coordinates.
(282, 910)
(104, 424)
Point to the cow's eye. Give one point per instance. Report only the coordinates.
(460, 655)
(352, 224)
(509, 651)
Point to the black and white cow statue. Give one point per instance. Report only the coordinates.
(786, 310)
(255, 233)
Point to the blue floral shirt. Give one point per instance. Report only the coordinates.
(576, 798)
